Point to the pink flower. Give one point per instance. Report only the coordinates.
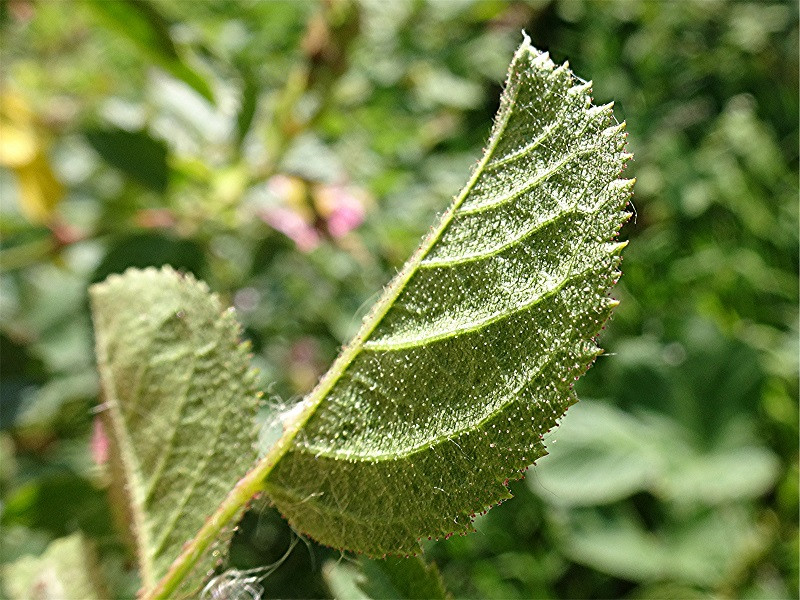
(292, 225)
(342, 207)
(99, 444)
(306, 207)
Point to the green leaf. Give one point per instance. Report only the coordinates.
(601, 454)
(67, 569)
(706, 549)
(135, 153)
(724, 475)
(150, 249)
(605, 454)
(392, 578)
(181, 399)
(247, 104)
(142, 24)
(470, 354)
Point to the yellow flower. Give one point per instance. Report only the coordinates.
(23, 150)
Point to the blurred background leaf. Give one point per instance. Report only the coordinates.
(64, 570)
(392, 579)
(134, 153)
(140, 22)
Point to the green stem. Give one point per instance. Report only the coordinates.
(245, 489)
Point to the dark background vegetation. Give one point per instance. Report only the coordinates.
(291, 154)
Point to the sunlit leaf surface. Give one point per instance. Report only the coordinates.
(471, 353)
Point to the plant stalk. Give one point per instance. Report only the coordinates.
(247, 487)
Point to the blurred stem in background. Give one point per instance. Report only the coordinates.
(328, 36)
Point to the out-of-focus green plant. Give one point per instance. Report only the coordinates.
(297, 221)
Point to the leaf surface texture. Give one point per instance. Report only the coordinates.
(181, 400)
(470, 355)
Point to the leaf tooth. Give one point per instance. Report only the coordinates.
(562, 70)
(616, 248)
(623, 185)
(606, 110)
(575, 87)
(542, 61)
(613, 130)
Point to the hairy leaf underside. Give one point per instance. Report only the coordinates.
(470, 355)
(181, 400)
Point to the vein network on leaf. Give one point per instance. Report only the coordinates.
(471, 353)
(464, 362)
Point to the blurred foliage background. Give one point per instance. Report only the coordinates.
(291, 154)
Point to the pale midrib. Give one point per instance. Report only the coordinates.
(169, 524)
(166, 450)
(133, 409)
